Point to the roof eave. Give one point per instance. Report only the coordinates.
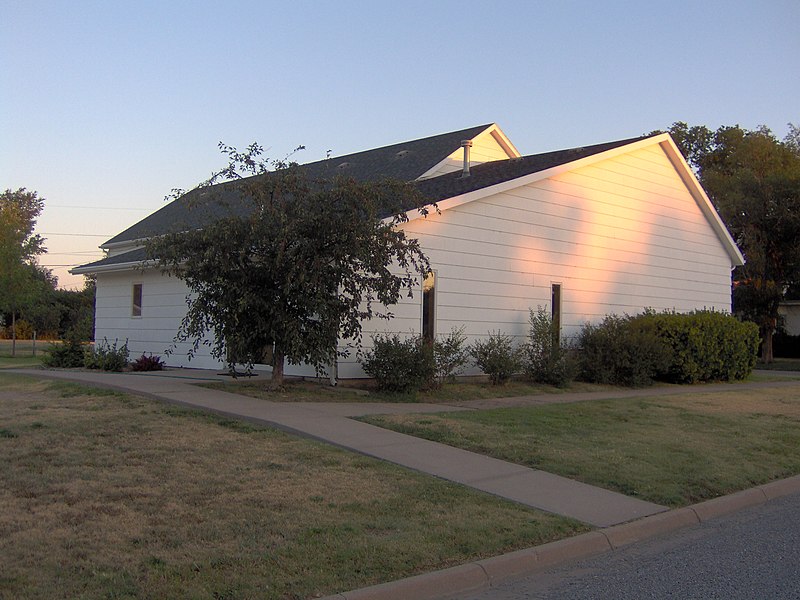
(128, 266)
(703, 201)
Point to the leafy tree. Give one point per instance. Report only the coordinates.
(20, 276)
(293, 264)
(753, 179)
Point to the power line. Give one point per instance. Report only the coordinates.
(96, 207)
(76, 234)
(89, 253)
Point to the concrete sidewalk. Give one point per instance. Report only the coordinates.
(330, 423)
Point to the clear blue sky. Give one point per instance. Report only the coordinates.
(107, 105)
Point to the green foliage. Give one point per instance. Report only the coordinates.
(292, 262)
(450, 355)
(23, 330)
(546, 358)
(147, 363)
(67, 355)
(621, 351)
(107, 357)
(22, 280)
(753, 179)
(399, 365)
(704, 345)
(498, 357)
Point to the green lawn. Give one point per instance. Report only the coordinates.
(107, 495)
(781, 364)
(669, 450)
(364, 391)
(24, 353)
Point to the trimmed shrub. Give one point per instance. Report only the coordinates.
(66, 355)
(399, 365)
(547, 359)
(497, 356)
(620, 351)
(450, 356)
(147, 363)
(107, 357)
(705, 345)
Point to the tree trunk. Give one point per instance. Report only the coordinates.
(13, 334)
(278, 358)
(766, 347)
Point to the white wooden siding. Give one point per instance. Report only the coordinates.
(619, 235)
(163, 307)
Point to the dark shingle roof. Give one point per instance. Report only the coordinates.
(133, 256)
(404, 161)
(201, 206)
(498, 171)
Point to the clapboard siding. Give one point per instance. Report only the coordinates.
(619, 235)
(613, 240)
(163, 307)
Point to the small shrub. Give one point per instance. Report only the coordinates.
(450, 356)
(107, 357)
(147, 363)
(547, 360)
(497, 357)
(619, 351)
(399, 365)
(66, 355)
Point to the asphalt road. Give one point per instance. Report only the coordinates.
(753, 554)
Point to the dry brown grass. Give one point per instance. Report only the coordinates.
(766, 401)
(113, 496)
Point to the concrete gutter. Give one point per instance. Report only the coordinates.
(483, 574)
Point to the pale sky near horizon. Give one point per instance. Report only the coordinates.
(106, 106)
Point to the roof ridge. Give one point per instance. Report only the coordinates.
(476, 129)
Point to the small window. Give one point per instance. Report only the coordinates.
(555, 304)
(429, 307)
(136, 308)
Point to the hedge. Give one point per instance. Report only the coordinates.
(705, 345)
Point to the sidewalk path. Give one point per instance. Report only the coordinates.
(331, 422)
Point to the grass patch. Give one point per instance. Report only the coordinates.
(781, 364)
(669, 450)
(365, 391)
(106, 495)
(294, 390)
(20, 362)
(24, 356)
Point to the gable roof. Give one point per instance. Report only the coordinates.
(403, 161)
(499, 171)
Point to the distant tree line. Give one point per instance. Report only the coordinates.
(753, 179)
(29, 298)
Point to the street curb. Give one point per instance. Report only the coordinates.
(483, 574)
(782, 487)
(462, 579)
(642, 529)
(725, 505)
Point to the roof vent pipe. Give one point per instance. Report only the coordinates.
(466, 145)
